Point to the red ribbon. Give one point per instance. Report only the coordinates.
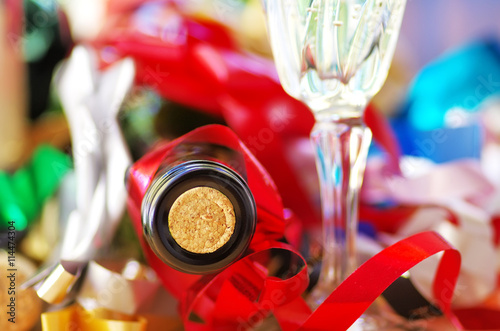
(244, 294)
(496, 228)
(478, 318)
(14, 17)
(270, 224)
(362, 287)
(239, 306)
(391, 219)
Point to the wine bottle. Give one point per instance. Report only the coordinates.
(198, 214)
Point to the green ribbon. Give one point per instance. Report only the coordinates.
(24, 193)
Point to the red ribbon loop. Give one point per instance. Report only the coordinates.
(241, 296)
(348, 302)
(244, 294)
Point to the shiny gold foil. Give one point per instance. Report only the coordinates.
(61, 279)
(77, 318)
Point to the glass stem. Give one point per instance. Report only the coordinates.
(341, 148)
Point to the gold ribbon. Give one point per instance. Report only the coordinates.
(76, 318)
(108, 299)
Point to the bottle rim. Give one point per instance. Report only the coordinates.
(167, 187)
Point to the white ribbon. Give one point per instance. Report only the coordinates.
(91, 100)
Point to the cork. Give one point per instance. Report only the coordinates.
(201, 220)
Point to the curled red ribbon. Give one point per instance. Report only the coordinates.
(270, 224)
(242, 295)
(362, 287)
(246, 292)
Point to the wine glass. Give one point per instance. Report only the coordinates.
(334, 55)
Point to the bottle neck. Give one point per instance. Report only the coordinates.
(166, 237)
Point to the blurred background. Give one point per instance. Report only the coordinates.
(448, 50)
(431, 28)
(39, 36)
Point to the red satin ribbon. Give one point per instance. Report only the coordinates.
(14, 18)
(478, 318)
(496, 228)
(244, 294)
(391, 219)
(362, 287)
(270, 224)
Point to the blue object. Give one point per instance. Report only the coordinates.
(368, 229)
(461, 81)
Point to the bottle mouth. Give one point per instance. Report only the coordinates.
(199, 216)
(201, 220)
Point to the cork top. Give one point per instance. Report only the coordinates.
(201, 220)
